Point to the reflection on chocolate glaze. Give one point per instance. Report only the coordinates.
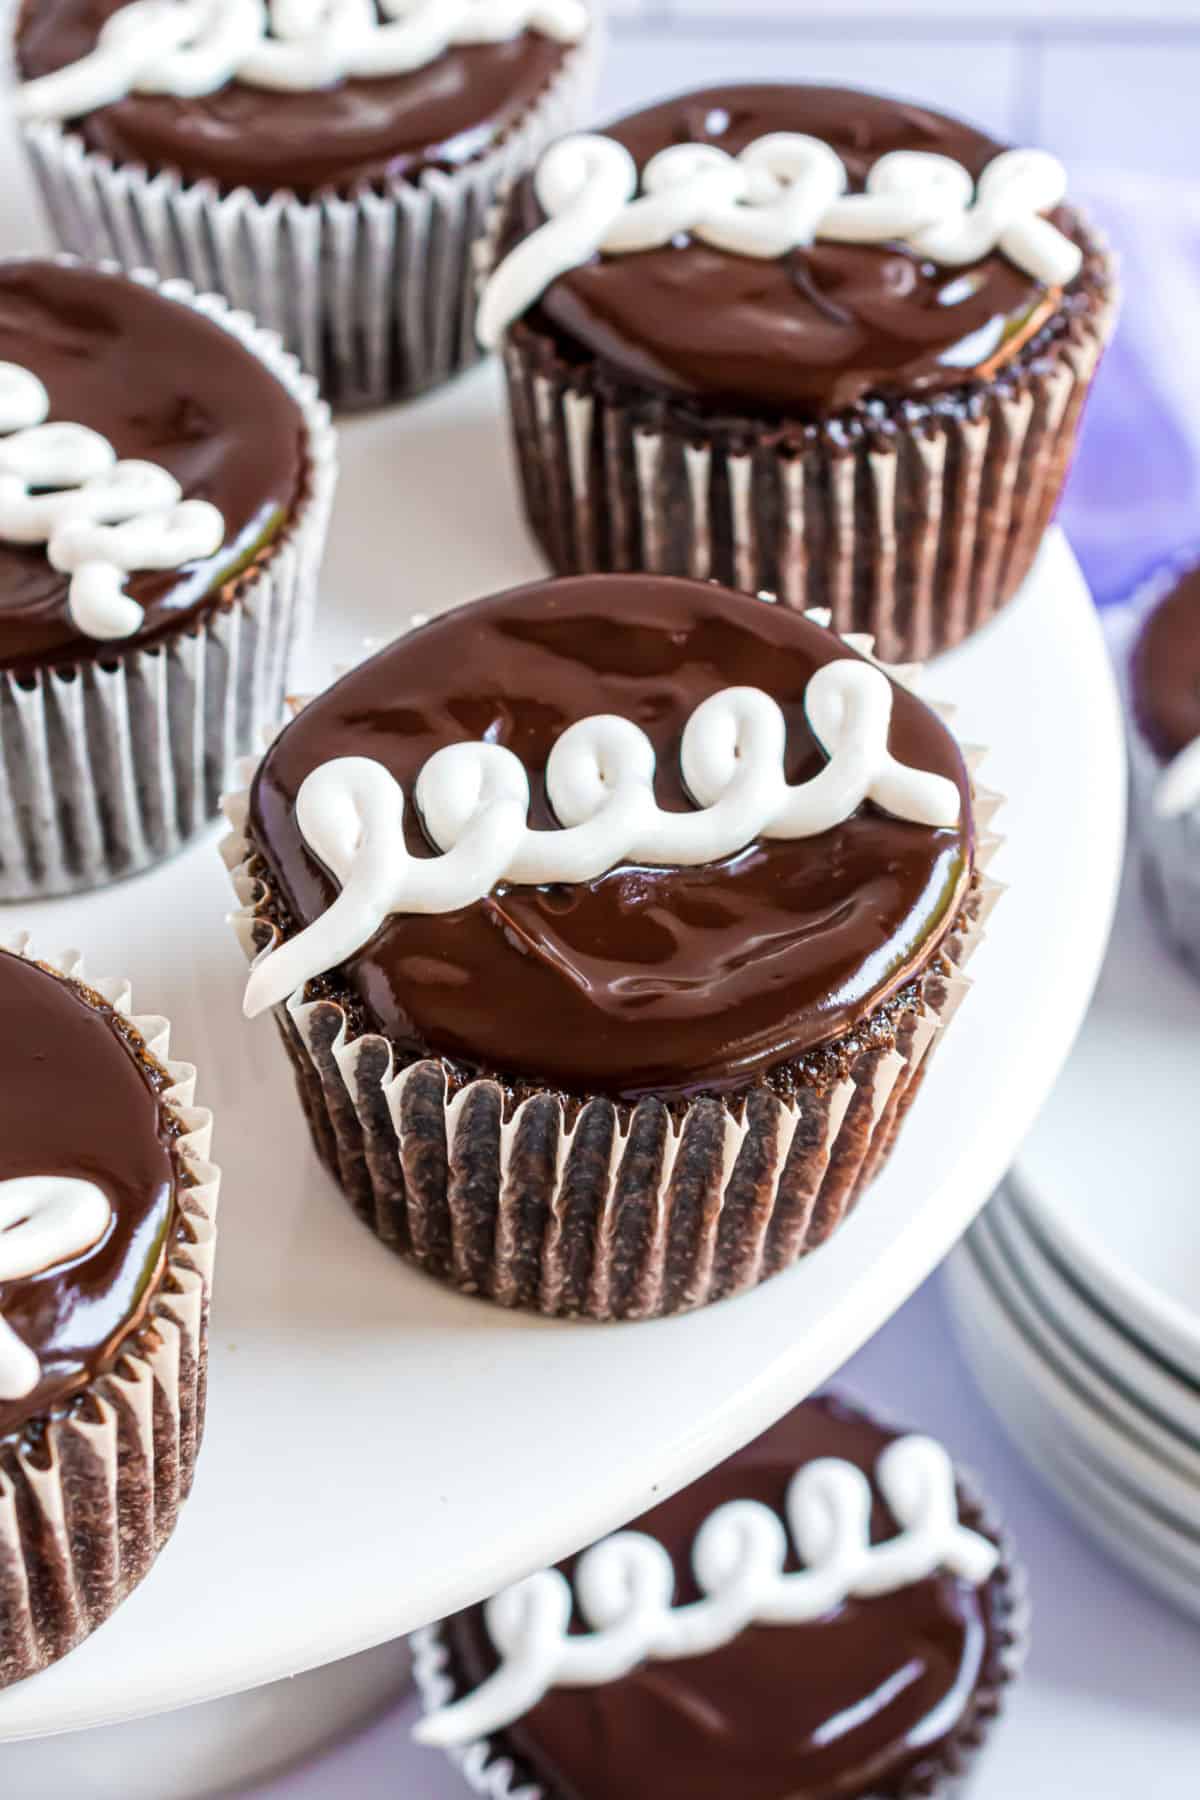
(810, 333)
(354, 134)
(653, 980)
(840, 1708)
(164, 384)
(74, 1100)
(1166, 670)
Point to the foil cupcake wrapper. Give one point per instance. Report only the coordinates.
(86, 1508)
(374, 292)
(918, 540)
(107, 767)
(1168, 848)
(493, 1775)
(597, 1209)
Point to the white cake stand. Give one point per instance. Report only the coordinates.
(218, 1749)
(381, 1451)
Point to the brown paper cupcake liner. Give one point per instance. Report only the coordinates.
(86, 1504)
(374, 291)
(592, 1208)
(108, 766)
(918, 535)
(946, 1775)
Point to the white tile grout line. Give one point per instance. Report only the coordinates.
(655, 15)
(1027, 105)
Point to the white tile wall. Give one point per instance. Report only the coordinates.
(1136, 105)
(646, 65)
(988, 15)
(1101, 81)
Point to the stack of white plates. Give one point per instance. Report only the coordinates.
(1077, 1294)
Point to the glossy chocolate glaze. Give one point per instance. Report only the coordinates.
(665, 981)
(355, 134)
(813, 332)
(840, 1708)
(75, 1100)
(163, 384)
(1166, 670)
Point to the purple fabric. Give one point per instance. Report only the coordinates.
(1133, 499)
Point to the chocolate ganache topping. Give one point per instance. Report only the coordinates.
(355, 134)
(164, 385)
(78, 1098)
(842, 1707)
(649, 979)
(816, 331)
(1166, 670)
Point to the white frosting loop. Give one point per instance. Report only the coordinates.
(474, 801)
(782, 192)
(625, 1585)
(61, 485)
(907, 191)
(44, 1220)
(194, 47)
(1015, 189)
(584, 183)
(23, 399)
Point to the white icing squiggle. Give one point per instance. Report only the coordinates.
(44, 1220)
(625, 1585)
(782, 192)
(474, 801)
(194, 47)
(1178, 790)
(61, 485)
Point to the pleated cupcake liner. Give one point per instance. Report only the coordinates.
(1168, 848)
(491, 1772)
(918, 536)
(593, 1208)
(373, 291)
(109, 766)
(87, 1504)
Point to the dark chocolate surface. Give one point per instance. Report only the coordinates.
(648, 980)
(356, 133)
(75, 1101)
(1166, 670)
(812, 332)
(164, 385)
(843, 1707)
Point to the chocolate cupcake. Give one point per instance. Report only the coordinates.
(642, 1032)
(831, 1613)
(329, 168)
(166, 473)
(1164, 694)
(107, 1214)
(836, 351)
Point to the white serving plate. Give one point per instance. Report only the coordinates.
(1095, 1432)
(1067, 1308)
(1058, 1355)
(1133, 1535)
(1110, 1171)
(381, 1451)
